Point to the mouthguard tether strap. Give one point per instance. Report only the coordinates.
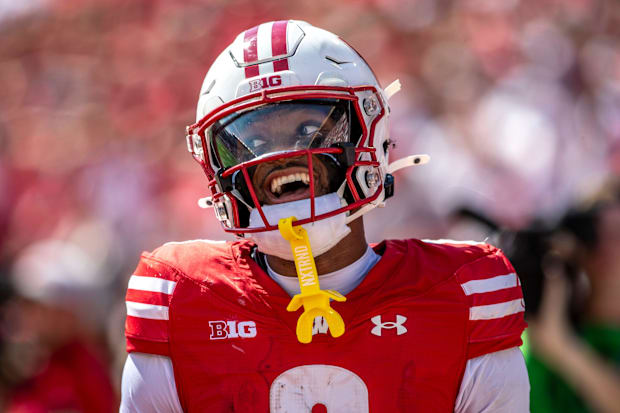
(314, 300)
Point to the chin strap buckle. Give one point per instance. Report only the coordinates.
(314, 300)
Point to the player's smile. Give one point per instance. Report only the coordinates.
(288, 180)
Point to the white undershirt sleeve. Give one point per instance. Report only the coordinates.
(148, 385)
(495, 383)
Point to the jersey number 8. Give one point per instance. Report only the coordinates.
(305, 388)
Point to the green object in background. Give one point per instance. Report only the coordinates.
(549, 392)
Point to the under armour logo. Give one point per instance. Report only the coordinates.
(398, 325)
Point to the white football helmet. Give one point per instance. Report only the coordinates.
(270, 69)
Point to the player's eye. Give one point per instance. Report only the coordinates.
(306, 130)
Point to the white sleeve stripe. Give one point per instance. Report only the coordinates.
(156, 285)
(150, 311)
(491, 311)
(490, 284)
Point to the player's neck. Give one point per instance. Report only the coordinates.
(346, 252)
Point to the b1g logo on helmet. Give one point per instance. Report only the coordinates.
(265, 82)
(232, 329)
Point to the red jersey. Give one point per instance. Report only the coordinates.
(421, 312)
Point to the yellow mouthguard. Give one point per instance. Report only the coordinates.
(314, 300)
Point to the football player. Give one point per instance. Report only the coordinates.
(292, 122)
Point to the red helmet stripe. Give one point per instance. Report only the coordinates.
(278, 45)
(250, 51)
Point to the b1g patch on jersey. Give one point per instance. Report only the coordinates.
(221, 330)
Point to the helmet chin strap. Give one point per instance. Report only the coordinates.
(407, 161)
(323, 234)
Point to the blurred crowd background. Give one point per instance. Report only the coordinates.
(516, 101)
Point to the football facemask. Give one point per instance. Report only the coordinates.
(318, 129)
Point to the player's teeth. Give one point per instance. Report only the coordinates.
(276, 183)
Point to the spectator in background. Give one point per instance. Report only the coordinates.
(578, 369)
(53, 354)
